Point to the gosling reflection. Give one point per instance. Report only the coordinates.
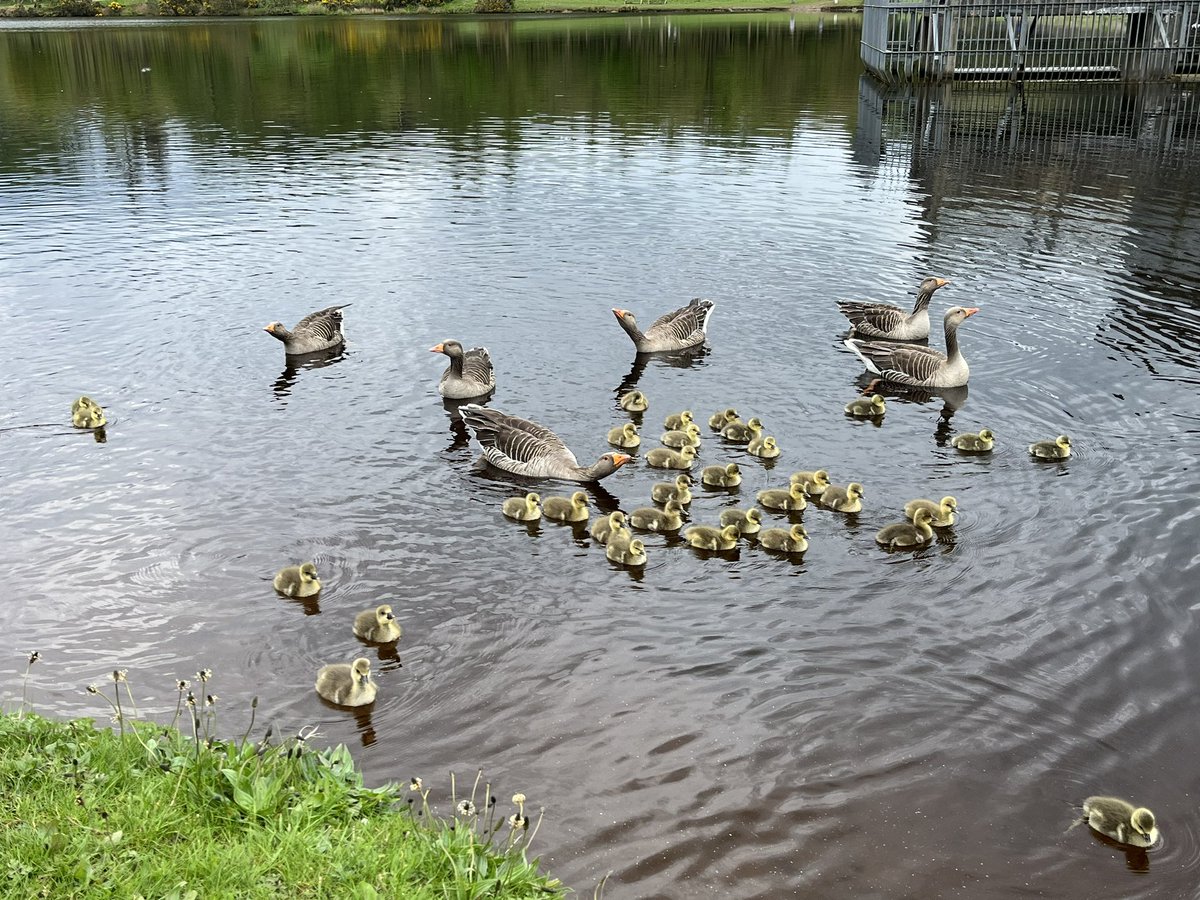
(293, 365)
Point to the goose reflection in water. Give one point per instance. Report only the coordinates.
(293, 365)
(676, 359)
(460, 436)
(953, 399)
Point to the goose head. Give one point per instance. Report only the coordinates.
(922, 517)
(799, 533)
(609, 463)
(627, 319)
(931, 284)
(948, 505)
(1063, 441)
(277, 330)
(449, 348)
(361, 668)
(956, 315)
(731, 533)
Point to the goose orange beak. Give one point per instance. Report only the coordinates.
(436, 349)
(619, 313)
(941, 282)
(621, 458)
(270, 327)
(971, 310)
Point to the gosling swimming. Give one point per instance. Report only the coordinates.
(903, 535)
(566, 509)
(523, 509)
(867, 407)
(665, 458)
(814, 482)
(678, 490)
(377, 625)
(624, 436)
(846, 499)
(678, 421)
(632, 553)
(943, 513)
(785, 540)
(634, 401)
(748, 521)
(790, 498)
(706, 537)
(974, 443)
(742, 432)
(298, 581)
(647, 518)
(687, 436)
(721, 418)
(764, 447)
(347, 684)
(87, 413)
(721, 476)
(1117, 819)
(1059, 448)
(605, 525)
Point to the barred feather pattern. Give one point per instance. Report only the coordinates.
(677, 330)
(316, 331)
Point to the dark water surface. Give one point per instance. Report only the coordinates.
(857, 724)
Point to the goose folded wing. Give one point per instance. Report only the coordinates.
(477, 365)
(515, 438)
(881, 316)
(684, 322)
(324, 323)
(911, 365)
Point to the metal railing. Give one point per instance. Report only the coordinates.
(925, 40)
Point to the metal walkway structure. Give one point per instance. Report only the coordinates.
(1074, 40)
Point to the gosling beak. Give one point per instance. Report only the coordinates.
(619, 313)
(436, 349)
(388, 616)
(971, 310)
(620, 459)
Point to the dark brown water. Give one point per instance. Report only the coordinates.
(858, 724)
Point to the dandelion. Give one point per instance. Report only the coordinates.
(516, 821)
(118, 675)
(181, 684)
(519, 799)
(211, 700)
(191, 700)
(93, 688)
(416, 784)
(204, 674)
(34, 656)
(466, 808)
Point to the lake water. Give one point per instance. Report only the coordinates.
(854, 724)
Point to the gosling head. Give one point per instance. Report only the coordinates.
(636, 547)
(616, 519)
(949, 503)
(798, 532)
(579, 498)
(629, 430)
(672, 506)
(731, 414)
(769, 443)
(732, 469)
(731, 532)
(1142, 820)
(383, 614)
(688, 453)
(1063, 441)
(686, 417)
(755, 424)
(854, 489)
(821, 477)
(985, 434)
(634, 401)
(308, 573)
(361, 668)
(691, 429)
(754, 515)
(683, 481)
(877, 401)
(922, 517)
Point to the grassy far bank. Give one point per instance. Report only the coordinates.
(178, 8)
(151, 812)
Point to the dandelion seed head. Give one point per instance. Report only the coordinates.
(211, 700)
(204, 674)
(34, 656)
(466, 808)
(518, 799)
(118, 675)
(415, 784)
(93, 688)
(516, 821)
(181, 684)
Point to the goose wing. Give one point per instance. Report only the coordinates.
(907, 364)
(873, 319)
(686, 325)
(477, 366)
(323, 325)
(518, 445)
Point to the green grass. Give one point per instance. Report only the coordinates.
(150, 812)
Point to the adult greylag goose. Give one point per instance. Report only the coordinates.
(1059, 448)
(525, 448)
(677, 330)
(1120, 820)
(883, 321)
(972, 442)
(470, 373)
(785, 540)
(943, 514)
(377, 625)
(916, 365)
(316, 331)
(904, 535)
(347, 684)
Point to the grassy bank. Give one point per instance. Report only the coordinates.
(187, 8)
(151, 812)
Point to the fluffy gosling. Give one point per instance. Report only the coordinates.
(742, 432)
(298, 581)
(634, 401)
(721, 418)
(523, 509)
(678, 490)
(648, 518)
(943, 513)
(1059, 448)
(785, 540)
(624, 436)
(706, 537)
(903, 535)
(790, 498)
(1117, 819)
(846, 499)
(566, 509)
(87, 413)
(867, 407)
(763, 447)
(347, 684)
(605, 525)
(814, 482)
(632, 553)
(678, 421)
(377, 625)
(748, 521)
(687, 436)
(974, 443)
(721, 476)
(665, 458)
